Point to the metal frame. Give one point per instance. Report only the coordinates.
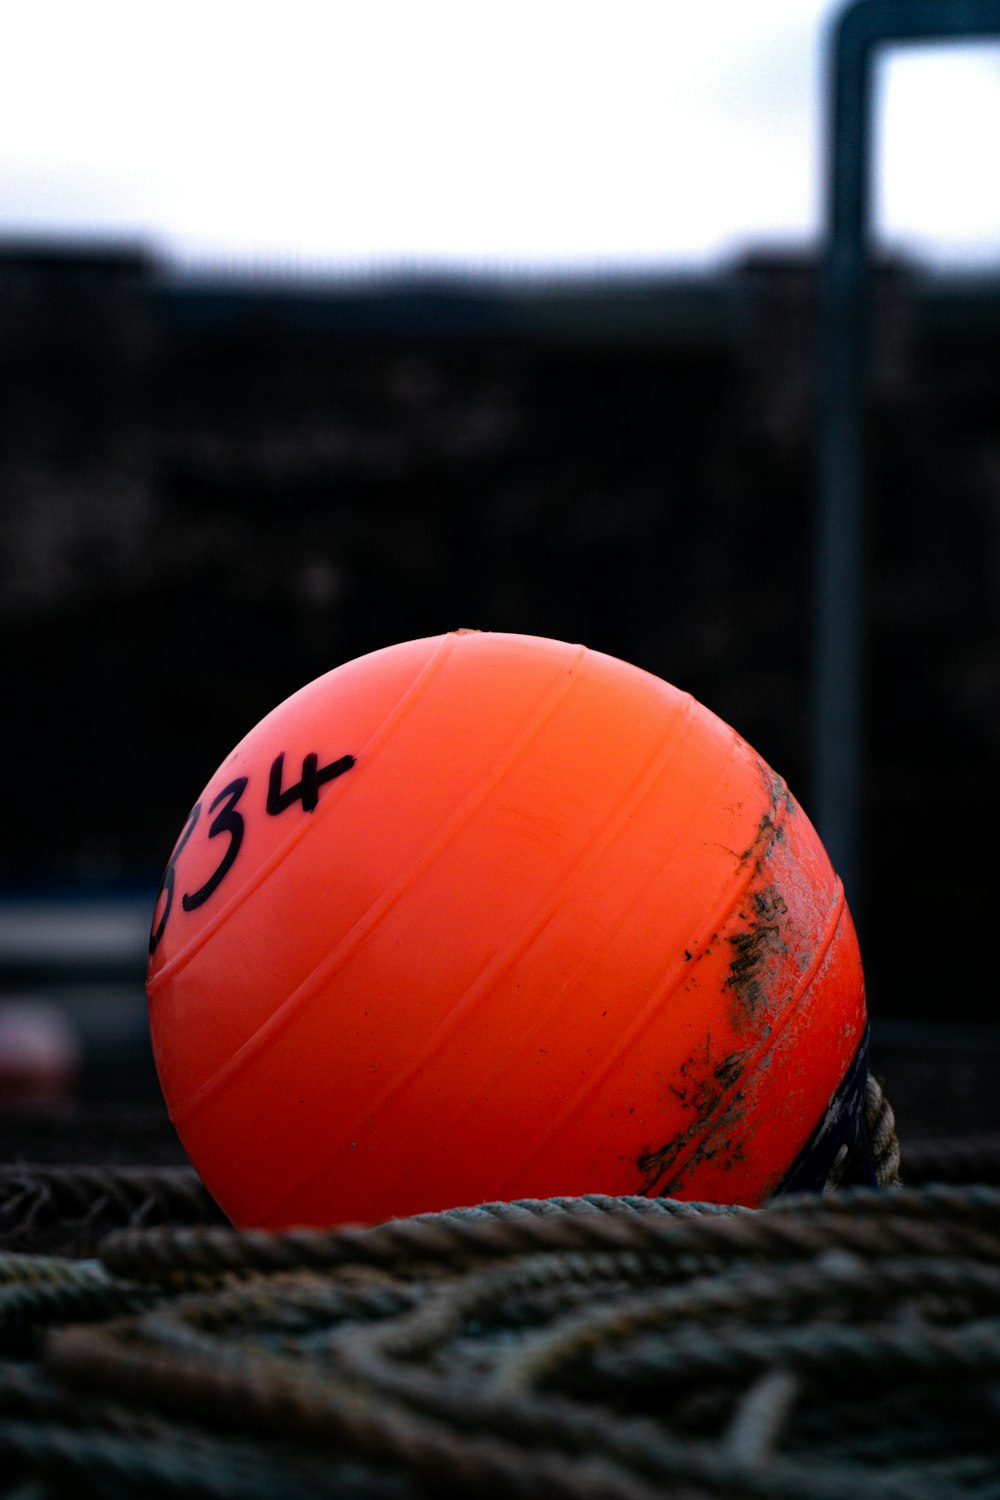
(838, 736)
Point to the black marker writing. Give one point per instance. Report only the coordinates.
(167, 883)
(227, 821)
(305, 791)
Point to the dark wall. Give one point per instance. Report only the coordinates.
(211, 496)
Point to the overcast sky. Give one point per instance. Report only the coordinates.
(368, 134)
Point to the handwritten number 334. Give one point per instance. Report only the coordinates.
(230, 822)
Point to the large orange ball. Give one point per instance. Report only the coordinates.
(489, 916)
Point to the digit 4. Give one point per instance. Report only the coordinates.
(306, 790)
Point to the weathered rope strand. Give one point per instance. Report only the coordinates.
(883, 1138)
(597, 1455)
(31, 1297)
(498, 1229)
(969, 1159)
(180, 1465)
(856, 1220)
(61, 1191)
(256, 1394)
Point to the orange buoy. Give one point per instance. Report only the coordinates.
(488, 916)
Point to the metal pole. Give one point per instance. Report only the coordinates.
(839, 606)
(839, 603)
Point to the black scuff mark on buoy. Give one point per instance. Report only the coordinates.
(771, 828)
(705, 1092)
(713, 1137)
(715, 1102)
(653, 1164)
(753, 948)
(729, 1070)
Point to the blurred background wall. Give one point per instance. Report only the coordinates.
(227, 464)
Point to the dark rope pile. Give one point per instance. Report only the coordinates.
(842, 1346)
(836, 1347)
(72, 1208)
(967, 1159)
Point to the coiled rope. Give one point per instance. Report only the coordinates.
(73, 1207)
(841, 1347)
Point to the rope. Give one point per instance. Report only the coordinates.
(966, 1160)
(180, 1465)
(592, 1348)
(27, 1306)
(882, 1136)
(496, 1229)
(704, 1353)
(75, 1206)
(859, 1220)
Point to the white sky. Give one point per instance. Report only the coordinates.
(470, 133)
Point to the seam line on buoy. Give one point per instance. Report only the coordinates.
(544, 709)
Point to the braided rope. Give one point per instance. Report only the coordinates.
(883, 1138)
(846, 1289)
(182, 1465)
(41, 1268)
(587, 1348)
(73, 1207)
(250, 1392)
(941, 1221)
(486, 1229)
(968, 1160)
(718, 1302)
(544, 1446)
(66, 1191)
(81, 1292)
